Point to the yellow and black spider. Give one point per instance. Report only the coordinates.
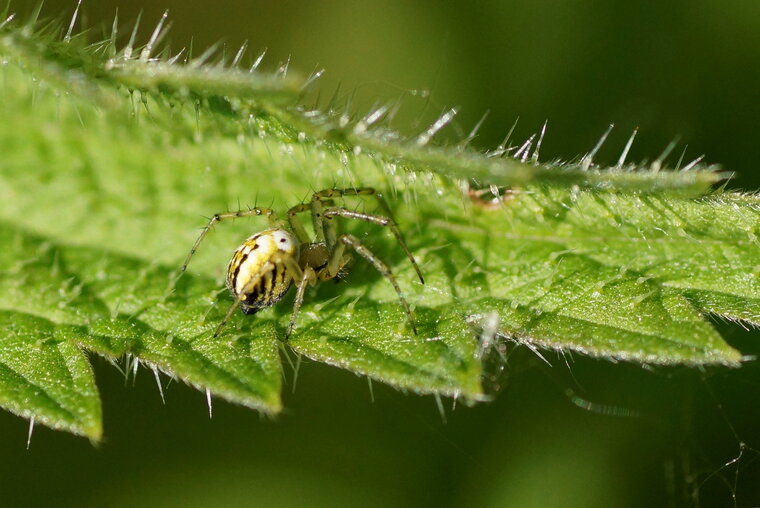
(265, 265)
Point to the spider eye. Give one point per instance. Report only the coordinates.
(283, 240)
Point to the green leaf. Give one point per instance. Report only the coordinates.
(45, 377)
(193, 81)
(620, 276)
(119, 306)
(102, 195)
(357, 337)
(459, 162)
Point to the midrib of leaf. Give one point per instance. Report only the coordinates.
(462, 163)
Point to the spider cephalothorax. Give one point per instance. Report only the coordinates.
(265, 265)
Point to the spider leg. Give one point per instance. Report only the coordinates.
(387, 220)
(296, 224)
(353, 242)
(339, 193)
(219, 217)
(242, 295)
(308, 276)
(321, 233)
(326, 231)
(381, 221)
(359, 192)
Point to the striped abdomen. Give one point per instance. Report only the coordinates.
(257, 270)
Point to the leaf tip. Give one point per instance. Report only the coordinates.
(94, 433)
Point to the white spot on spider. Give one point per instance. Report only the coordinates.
(284, 241)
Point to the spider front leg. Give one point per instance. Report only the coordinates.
(219, 217)
(336, 261)
(327, 195)
(315, 207)
(295, 222)
(324, 231)
(329, 213)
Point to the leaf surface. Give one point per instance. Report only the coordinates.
(110, 165)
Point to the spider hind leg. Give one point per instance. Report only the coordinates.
(347, 240)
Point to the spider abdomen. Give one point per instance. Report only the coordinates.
(258, 271)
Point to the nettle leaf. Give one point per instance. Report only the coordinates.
(45, 377)
(110, 163)
(620, 276)
(371, 339)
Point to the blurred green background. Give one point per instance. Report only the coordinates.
(660, 437)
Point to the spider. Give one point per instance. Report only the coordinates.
(265, 265)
